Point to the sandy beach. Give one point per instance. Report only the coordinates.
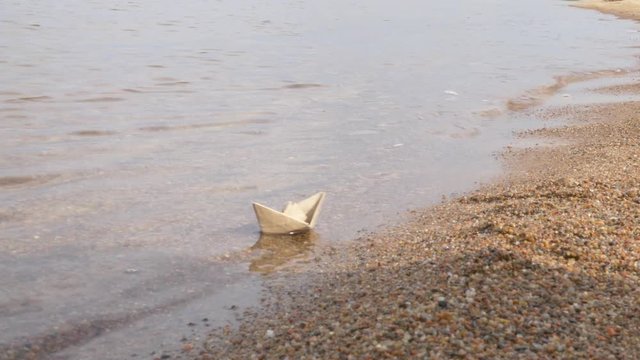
(628, 9)
(543, 264)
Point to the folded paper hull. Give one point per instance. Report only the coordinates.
(275, 222)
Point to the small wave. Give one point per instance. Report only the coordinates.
(173, 83)
(93, 133)
(302, 86)
(15, 181)
(29, 99)
(101, 99)
(224, 124)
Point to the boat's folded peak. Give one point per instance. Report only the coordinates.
(296, 216)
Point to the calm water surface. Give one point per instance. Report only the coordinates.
(135, 135)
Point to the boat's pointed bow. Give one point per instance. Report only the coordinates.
(275, 222)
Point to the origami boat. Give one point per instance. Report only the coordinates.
(295, 218)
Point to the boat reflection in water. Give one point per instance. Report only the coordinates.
(276, 251)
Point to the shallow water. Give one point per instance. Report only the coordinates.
(137, 133)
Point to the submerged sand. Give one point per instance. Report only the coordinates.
(545, 264)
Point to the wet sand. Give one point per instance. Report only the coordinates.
(543, 264)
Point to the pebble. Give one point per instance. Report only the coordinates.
(442, 302)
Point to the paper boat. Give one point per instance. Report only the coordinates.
(295, 218)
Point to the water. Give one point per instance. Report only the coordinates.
(135, 135)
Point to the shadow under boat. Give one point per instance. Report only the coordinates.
(276, 251)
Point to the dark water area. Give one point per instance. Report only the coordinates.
(136, 134)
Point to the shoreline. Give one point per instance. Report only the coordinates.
(626, 9)
(542, 264)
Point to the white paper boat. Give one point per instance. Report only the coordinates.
(296, 217)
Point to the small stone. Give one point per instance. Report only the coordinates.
(269, 334)
(470, 294)
(442, 302)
